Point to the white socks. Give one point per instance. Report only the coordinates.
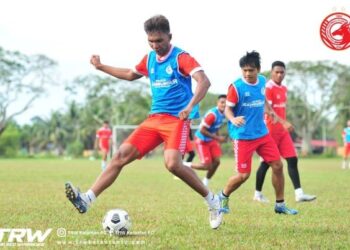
(257, 193)
(210, 198)
(103, 165)
(205, 181)
(90, 197)
(345, 164)
(299, 192)
(187, 164)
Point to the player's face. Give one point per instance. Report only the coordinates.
(222, 104)
(250, 74)
(277, 74)
(159, 42)
(349, 123)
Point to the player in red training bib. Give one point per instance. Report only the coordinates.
(276, 95)
(170, 71)
(104, 142)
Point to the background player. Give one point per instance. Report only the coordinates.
(276, 95)
(170, 70)
(244, 110)
(103, 142)
(207, 140)
(346, 139)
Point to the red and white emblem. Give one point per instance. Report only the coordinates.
(335, 31)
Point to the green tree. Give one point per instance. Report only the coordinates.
(23, 79)
(311, 100)
(10, 141)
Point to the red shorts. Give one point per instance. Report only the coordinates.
(207, 151)
(160, 128)
(347, 149)
(104, 146)
(285, 144)
(244, 149)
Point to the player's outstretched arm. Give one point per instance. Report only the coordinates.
(120, 73)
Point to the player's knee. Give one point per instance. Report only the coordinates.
(172, 163)
(118, 162)
(120, 159)
(277, 167)
(172, 166)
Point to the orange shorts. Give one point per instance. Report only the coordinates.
(158, 128)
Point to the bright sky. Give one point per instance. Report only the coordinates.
(216, 33)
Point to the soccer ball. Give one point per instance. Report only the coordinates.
(117, 222)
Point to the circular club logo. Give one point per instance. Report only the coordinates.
(335, 31)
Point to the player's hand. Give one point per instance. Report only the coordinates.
(238, 121)
(221, 138)
(95, 61)
(288, 126)
(183, 115)
(274, 117)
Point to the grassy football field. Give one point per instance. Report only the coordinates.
(166, 214)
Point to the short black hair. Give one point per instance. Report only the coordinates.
(250, 59)
(106, 121)
(222, 96)
(157, 23)
(278, 63)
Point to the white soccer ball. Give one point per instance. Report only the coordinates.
(117, 222)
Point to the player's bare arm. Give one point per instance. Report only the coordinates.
(237, 121)
(202, 87)
(270, 112)
(120, 73)
(214, 136)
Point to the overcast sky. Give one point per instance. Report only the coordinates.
(216, 33)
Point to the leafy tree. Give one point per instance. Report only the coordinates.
(23, 79)
(10, 141)
(311, 100)
(341, 99)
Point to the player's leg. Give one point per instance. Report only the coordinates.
(174, 133)
(104, 158)
(287, 151)
(130, 150)
(259, 182)
(243, 157)
(191, 155)
(189, 151)
(204, 156)
(215, 152)
(82, 201)
(269, 152)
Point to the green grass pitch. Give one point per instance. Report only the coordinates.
(166, 214)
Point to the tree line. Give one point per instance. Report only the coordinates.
(318, 104)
